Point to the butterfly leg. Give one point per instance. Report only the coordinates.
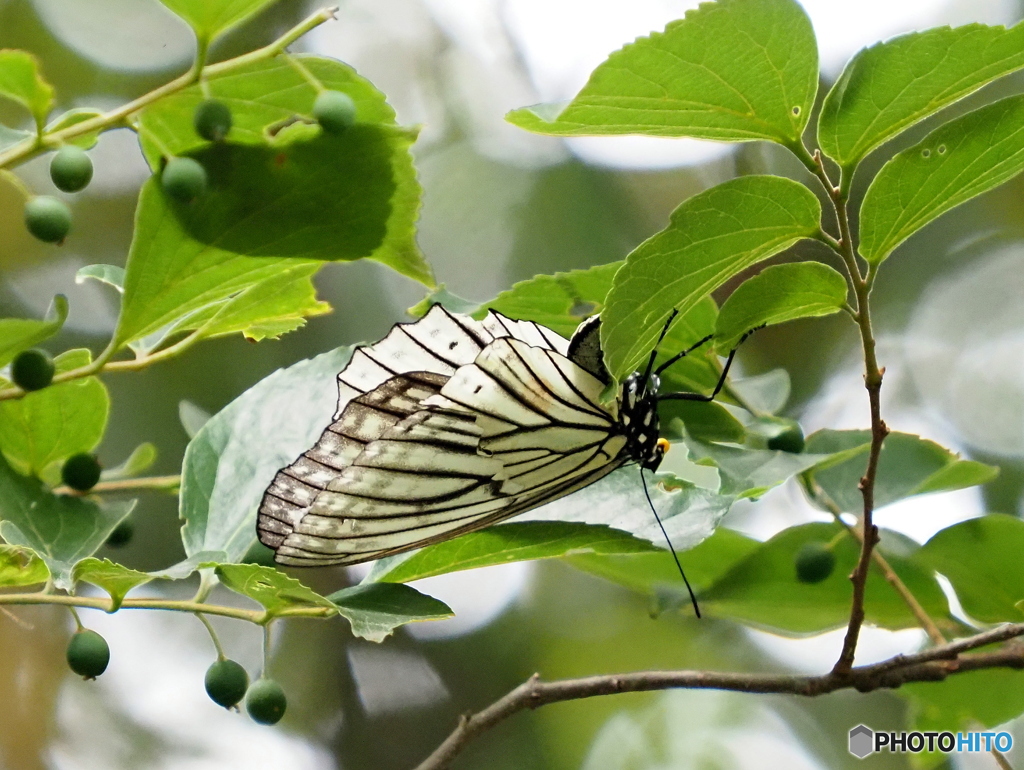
(721, 380)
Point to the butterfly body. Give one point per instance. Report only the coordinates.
(448, 425)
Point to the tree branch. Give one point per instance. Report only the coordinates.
(931, 665)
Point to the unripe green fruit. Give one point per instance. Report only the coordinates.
(265, 701)
(81, 471)
(71, 169)
(212, 120)
(121, 534)
(226, 683)
(790, 439)
(814, 562)
(183, 179)
(47, 218)
(88, 654)
(334, 111)
(32, 369)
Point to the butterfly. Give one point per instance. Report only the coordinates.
(449, 425)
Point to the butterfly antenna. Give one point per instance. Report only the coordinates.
(675, 556)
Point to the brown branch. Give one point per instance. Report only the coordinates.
(930, 665)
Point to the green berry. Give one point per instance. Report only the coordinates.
(212, 120)
(32, 369)
(47, 218)
(121, 534)
(81, 471)
(789, 439)
(88, 654)
(265, 702)
(71, 169)
(335, 111)
(814, 562)
(183, 179)
(227, 682)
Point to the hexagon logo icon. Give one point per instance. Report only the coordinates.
(862, 741)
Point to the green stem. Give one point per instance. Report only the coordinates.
(213, 636)
(29, 148)
(258, 617)
(78, 620)
(159, 483)
(266, 650)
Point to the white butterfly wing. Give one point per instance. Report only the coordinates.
(518, 427)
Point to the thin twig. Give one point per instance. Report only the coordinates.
(932, 665)
(213, 636)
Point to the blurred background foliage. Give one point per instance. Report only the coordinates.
(500, 205)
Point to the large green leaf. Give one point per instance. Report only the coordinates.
(892, 85)
(711, 237)
(235, 455)
(364, 192)
(734, 70)
(908, 465)
(21, 81)
(49, 425)
(210, 18)
(982, 559)
(18, 334)
(778, 294)
(648, 573)
(508, 543)
(953, 164)
(116, 579)
(62, 529)
(270, 587)
(763, 589)
(376, 609)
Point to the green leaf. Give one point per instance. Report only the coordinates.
(981, 558)
(521, 541)
(115, 579)
(908, 465)
(18, 334)
(647, 573)
(735, 70)
(267, 309)
(49, 425)
(62, 529)
(766, 393)
(21, 81)
(954, 163)
(689, 514)
(763, 590)
(441, 296)
(140, 460)
(893, 85)
(778, 294)
(968, 701)
(704, 421)
(210, 18)
(359, 193)
(376, 609)
(233, 458)
(712, 237)
(73, 118)
(270, 587)
(752, 472)
(21, 567)
(111, 275)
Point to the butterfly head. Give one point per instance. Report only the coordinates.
(638, 415)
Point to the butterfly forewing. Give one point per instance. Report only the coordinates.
(499, 423)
